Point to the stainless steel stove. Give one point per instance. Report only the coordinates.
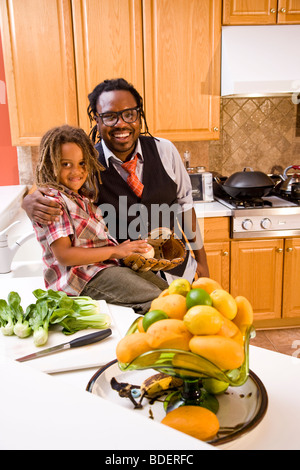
(270, 216)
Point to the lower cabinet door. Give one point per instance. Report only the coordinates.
(291, 279)
(256, 273)
(218, 259)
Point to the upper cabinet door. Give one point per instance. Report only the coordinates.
(239, 12)
(108, 44)
(288, 11)
(182, 68)
(39, 66)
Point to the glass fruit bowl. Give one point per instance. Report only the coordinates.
(191, 368)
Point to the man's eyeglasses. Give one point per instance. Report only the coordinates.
(129, 115)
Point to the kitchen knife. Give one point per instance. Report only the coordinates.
(75, 343)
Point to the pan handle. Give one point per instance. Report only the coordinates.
(217, 180)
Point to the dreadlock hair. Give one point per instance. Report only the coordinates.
(111, 85)
(48, 166)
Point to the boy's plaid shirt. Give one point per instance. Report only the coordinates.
(83, 223)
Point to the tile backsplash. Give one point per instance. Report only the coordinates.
(261, 133)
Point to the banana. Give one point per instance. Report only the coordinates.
(159, 383)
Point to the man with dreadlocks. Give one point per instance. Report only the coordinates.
(159, 177)
(80, 256)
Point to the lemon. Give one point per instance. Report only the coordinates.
(179, 286)
(214, 386)
(224, 303)
(197, 296)
(152, 317)
(203, 320)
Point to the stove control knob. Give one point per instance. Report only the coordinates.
(247, 224)
(266, 223)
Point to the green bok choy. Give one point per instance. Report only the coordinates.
(51, 308)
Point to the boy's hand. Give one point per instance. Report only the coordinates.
(129, 247)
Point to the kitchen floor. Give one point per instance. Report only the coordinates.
(285, 341)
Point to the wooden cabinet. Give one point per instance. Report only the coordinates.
(267, 273)
(182, 68)
(215, 232)
(256, 273)
(108, 40)
(57, 51)
(218, 259)
(255, 12)
(39, 66)
(291, 280)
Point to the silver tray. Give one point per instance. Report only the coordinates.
(241, 409)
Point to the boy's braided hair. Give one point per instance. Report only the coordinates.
(48, 166)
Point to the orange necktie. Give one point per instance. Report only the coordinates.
(132, 180)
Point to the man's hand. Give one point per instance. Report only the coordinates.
(41, 209)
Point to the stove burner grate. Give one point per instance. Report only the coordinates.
(249, 203)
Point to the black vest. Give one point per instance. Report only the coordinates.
(136, 216)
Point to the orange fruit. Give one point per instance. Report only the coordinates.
(224, 352)
(207, 284)
(164, 293)
(140, 325)
(195, 421)
(173, 305)
(224, 303)
(238, 337)
(228, 328)
(244, 314)
(168, 334)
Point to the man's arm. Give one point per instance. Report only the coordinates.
(193, 236)
(39, 208)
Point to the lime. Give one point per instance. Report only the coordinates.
(179, 286)
(152, 317)
(197, 296)
(214, 386)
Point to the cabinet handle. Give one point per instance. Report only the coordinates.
(273, 10)
(225, 253)
(289, 249)
(283, 10)
(216, 129)
(279, 250)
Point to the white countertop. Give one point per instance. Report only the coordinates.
(41, 412)
(65, 408)
(60, 405)
(211, 209)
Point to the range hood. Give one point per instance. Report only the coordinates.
(260, 60)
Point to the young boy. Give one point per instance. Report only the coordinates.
(80, 256)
